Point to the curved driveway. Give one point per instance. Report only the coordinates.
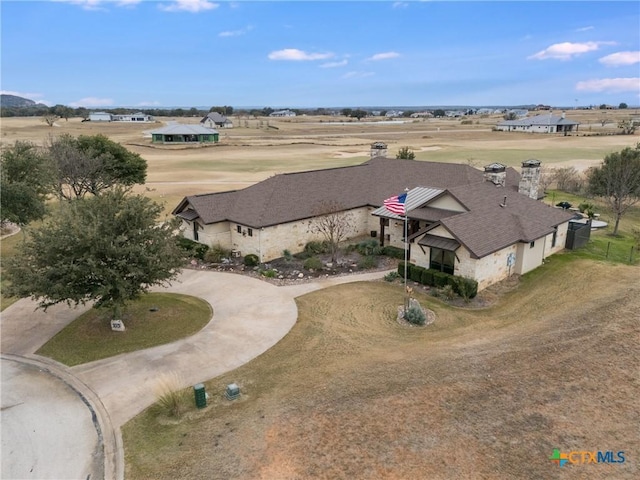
(250, 316)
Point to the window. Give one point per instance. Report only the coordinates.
(532, 244)
(195, 231)
(555, 237)
(442, 260)
(250, 232)
(239, 229)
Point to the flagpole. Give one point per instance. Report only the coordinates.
(406, 249)
(406, 242)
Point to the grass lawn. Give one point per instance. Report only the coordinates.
(90, 337)
(349, 393)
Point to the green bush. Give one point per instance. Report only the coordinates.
(191, 248)
(369, 247)
(427, 277)
(466, 287)
(401, 269)
(392, 276)
(393, 252)
(415, 315)
(447, 292)
(216, 253)
(313, 263)
(416, 273)
(367, 262)
(251, 260)
(268, 273)
(315, 248)
(439, 279)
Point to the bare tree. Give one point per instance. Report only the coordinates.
(49, 119)
(547, 177)
(568, 179)
(334, 223)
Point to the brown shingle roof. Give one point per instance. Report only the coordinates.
(296, 196)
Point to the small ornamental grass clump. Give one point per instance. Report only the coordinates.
(172, 400)
(313, 263)
(415, 315)
(391, 276)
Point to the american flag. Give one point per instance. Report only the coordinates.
(396, 203)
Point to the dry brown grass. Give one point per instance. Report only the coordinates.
(349, 393)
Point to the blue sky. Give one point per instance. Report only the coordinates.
(99, 53)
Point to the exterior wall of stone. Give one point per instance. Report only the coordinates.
(269, 242)
(216, 233)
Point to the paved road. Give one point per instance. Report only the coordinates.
(47, 428)
(250, 316)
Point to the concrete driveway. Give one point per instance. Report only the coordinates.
(250, 316)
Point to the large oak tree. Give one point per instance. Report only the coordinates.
(106, 249)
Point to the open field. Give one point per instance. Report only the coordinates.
(489, 393)
(247, 154)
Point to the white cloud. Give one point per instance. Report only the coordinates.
(400, 5)
(153, 103)
(357, 74)
(566, 50)
(193, 6)
(383, 56)
(621, 58)
(584, 29)
(236, 33)
(97, 4)
(334, 64)
(92, 102)
(297, 55)
(610, 85)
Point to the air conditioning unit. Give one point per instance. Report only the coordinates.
(374, 233)
(235, 253)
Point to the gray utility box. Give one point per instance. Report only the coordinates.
(232, 392)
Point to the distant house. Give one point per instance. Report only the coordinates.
(283, 113)
(132, 117)
(216, 120)
(180, 133)
(126, 117)
(544, 123)
(99, 117)
(484, 225)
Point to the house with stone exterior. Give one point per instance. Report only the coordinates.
(485, 225)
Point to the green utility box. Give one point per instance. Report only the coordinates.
(200, 395)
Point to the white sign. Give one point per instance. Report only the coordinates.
(511, 260)
(117, 326)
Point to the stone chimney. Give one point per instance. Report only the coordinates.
(378, 149)
(530, 178)
(495, 173)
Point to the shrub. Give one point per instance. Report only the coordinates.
(447, 292)
(271, 273)
(315, 247)
(416, 273)
(251, 260)
(427, 277)
(415, 315)
(583, 207)
(392, 276)
(439, 279)
(216, 253)
(286, 254)
(466, 287)
(393, 252)
(367, 262)
(401, 269)
(369, 247)
(313, 263)
(191, 248)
